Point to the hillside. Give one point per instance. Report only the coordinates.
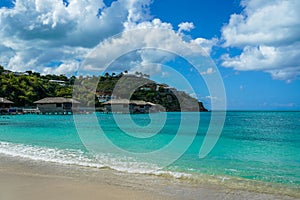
(25, 88)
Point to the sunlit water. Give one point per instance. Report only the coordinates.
(255, 148)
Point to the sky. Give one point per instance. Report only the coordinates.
(254, 44)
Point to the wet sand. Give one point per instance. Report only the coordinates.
(33, 180)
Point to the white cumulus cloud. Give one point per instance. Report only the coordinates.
(185, 26)
(52, 36)
(35, 33)
(159, 41)
(268, 32)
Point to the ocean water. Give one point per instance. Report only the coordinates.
(257, 151)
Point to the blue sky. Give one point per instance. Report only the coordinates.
(255, 44)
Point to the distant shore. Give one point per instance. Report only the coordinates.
(28, 179)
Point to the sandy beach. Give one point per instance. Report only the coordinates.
(31, 186)
(27, 179)
(149, 100)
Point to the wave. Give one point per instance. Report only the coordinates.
(82, 158)
(69, 157)
(130, 165)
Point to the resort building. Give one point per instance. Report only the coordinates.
(57, 105)
(128, 106)
(59, 82)
(105, 97)
(5, 105)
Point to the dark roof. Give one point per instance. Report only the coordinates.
(3, 100)
(50, 100)
(126, 101)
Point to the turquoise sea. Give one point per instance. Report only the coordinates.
(256, 150)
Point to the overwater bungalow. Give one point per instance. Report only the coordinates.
(128, 106)
(57, 105)
(5, 105)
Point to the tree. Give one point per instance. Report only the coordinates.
(1, 69)
(29, 72)
(36, 74)
(23, 90)
(72, 80)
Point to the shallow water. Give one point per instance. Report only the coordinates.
(256, 150)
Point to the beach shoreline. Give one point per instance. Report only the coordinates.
(28, 179)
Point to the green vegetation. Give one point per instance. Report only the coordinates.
(25, 88)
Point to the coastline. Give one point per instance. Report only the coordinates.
(28, 179)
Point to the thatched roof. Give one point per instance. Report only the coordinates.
(50, 100)
(5, 101)
(126, 101)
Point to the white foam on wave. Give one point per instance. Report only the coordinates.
(81, 158)
(178, 175)
(69, 157)
(125, 164)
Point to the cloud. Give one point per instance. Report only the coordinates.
(158, 41)
(268, 32)
(65, 68)
(208, 71)
(37, 33)
(210, 97)
(185, 26)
